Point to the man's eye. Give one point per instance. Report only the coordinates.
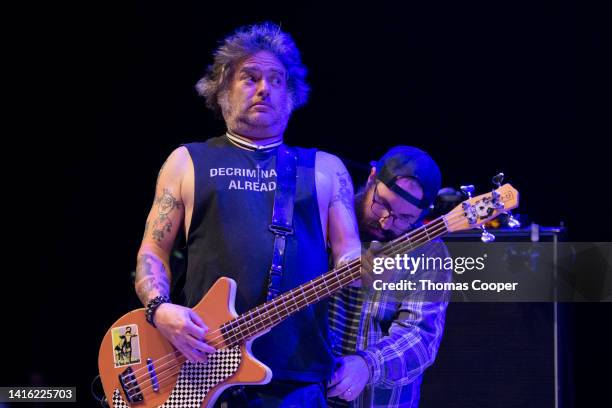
(248, 77)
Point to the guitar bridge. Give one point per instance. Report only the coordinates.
(130, 386)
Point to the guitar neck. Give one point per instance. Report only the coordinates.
(274, 311)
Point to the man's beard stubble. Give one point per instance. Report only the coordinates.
(237, 121)
(365, 225)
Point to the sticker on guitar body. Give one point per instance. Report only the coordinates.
(126, 345)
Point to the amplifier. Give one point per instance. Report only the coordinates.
(502, 354)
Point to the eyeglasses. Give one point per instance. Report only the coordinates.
(383, 211)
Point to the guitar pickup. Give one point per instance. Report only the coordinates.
(153, 375)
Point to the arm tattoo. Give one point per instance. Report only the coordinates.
(344, 194)
(151, 276)
(165, 205)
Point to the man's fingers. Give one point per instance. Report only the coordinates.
(349, 396)
(188, 353)
(191, 348)
(339, 388)
(339, 382)
(201, 357)
(338, 372)
(187, 333)
(200, 344)
(367, 263)
(333, 380)
(333, 392)
(194, 342)
(193, 354)
(196, 331)
(197, 320)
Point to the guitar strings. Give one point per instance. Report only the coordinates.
(239, 326)
(405, 239)
(437, 231)
(239, 321)
(391, 245)
(324, 278)
(347, 279)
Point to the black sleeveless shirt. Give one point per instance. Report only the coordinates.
(229, 236)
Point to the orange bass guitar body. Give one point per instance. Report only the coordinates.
(140, 368)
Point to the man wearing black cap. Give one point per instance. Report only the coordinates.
(386, 339)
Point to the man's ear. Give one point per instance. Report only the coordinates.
(372, 175)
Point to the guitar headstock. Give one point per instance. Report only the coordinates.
(476, 211)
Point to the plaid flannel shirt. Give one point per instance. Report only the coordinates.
(398, 335)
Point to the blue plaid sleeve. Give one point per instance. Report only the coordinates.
(412, 342)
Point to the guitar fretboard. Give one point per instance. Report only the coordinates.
(274, 311)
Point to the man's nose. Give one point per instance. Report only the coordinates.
(263, 88)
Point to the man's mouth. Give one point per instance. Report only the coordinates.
(261, 106)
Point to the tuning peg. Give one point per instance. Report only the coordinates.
(486, 236)
(468, 190)
(498, 179)
(512, 222)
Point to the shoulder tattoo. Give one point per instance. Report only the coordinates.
(166, 204)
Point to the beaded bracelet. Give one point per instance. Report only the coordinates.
(152, 306)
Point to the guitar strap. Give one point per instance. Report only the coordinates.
(282, 214)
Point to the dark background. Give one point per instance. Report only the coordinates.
(106, 91)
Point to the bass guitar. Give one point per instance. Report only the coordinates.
(140, 368)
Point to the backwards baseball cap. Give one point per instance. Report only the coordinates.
(408, 161)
